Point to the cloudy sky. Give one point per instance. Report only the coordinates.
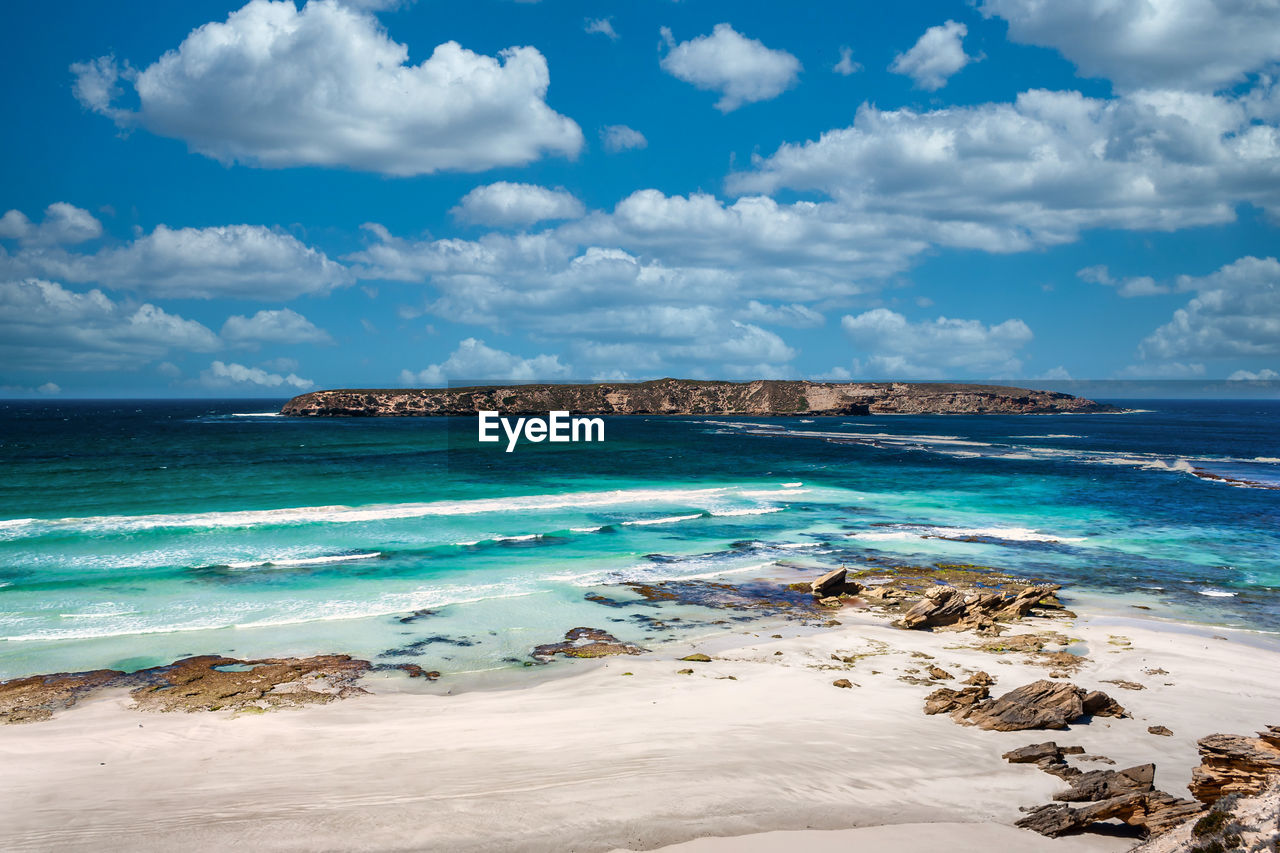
(208, 198)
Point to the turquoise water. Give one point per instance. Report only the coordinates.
(135, 533)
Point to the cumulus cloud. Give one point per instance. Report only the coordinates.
(473, 361)
(284, 326)
(741, 69)
(934, 349)
(619, 137)
(1235, 313)
(1012, 176)
(221, 375)
(937, 56)
(1264, 375)
(508, 204)
(603, 26)
(62, 224)
(1128, 287)
(277, 86)
(795, 315)
(45, 326)
(1186, 44)
(846, 65)
(233, 261)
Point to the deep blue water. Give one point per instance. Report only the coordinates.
(135, 532)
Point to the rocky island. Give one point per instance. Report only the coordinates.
(695, 397)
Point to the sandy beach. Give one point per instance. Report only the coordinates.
(629, 753)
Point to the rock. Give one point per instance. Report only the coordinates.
(1125, 685)
(944, 700)
(697, 658)
(684, 672)
(587, 643)
(940, 673)
(980, 679)
(1154, 812)
(829, 584)
(1039, 705)
(832, 601)
(1099, 704)
(1234, 764)
(1104, 784)
(1038, 752)
(1159, 730)
(947, 606)
(213, 683)
(842, 682)
(30, 700)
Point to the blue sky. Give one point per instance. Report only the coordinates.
(223, 199)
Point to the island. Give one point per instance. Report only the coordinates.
(759, 398)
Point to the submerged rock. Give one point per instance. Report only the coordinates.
(587, 643)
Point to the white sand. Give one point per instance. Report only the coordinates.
(600, 761)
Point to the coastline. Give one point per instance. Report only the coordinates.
(586, 758)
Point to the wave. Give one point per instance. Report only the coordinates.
(672, 519)
(292, 562)
(905, 532)
(256, 415)
(348, 514)
(1217, 593)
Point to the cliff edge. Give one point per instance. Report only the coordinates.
(694, 397)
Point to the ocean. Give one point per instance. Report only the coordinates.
(134, 533)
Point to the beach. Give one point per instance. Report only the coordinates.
(630, 753)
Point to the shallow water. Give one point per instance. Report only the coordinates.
(131, 534)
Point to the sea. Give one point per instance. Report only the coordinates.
(134, 533)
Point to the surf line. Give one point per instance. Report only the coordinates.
(557, 427)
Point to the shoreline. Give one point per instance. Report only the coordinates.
(584, 757)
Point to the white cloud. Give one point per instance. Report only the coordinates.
(935, 349)
(1059, 372)
(1168, 370)
(473, 361)
(795, 315)
(742, 70)
(507, 204)
(933, 59)
(221, 375)
(43, 325)
(1035, 172)
(1128, 287)
(619, 137)
(275, 86)
(846, 65)
(284, 326)
(1235, 313)
(603, 26)
(63, 224)
(233, 261)
(1193, 44)
(50, 388)
(1264, 375)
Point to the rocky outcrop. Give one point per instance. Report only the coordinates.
(1234, 764)
(1153, 812)
(834, 584)
(1041, 704)
(693, 397)
(203, 683)
(1232, 823)
(1128, 795)
(587, 643)
(946, 606)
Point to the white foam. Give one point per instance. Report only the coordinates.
(1217, 593)
(672, 519)
(302, 561)
(1010, 534)
(338, 514)
(760, 510)
(255, 414)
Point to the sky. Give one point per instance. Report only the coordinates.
(261, 199)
